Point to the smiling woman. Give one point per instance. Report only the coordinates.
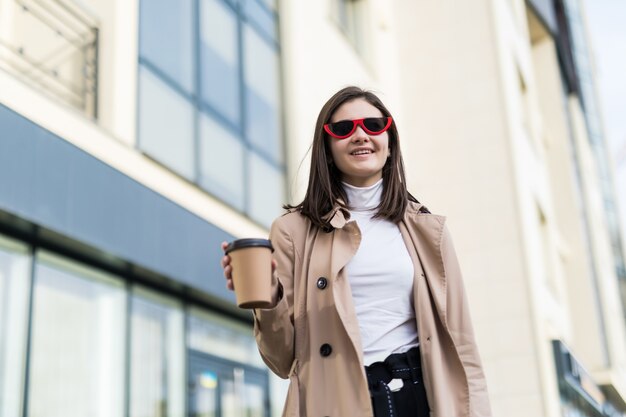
(361, 270)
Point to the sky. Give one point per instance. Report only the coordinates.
(606, 24)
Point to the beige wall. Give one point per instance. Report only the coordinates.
(489, 146)
(466, 156)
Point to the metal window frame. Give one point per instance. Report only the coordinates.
(128, 278)
(199, 105)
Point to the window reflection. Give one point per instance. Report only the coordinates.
(350, 17)
(165, 124)
(254, 401)
(213, 334)
(224, 388)
(166, 38)
(204, 403)
(157, 356)
(76, 365)
(14, 287)
(262, 16)
(219, 59)
(262, 100)
(221, 162)
(266, 187)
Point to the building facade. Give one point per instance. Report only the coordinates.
(136, 136)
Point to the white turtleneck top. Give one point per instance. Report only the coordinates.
(381, 278)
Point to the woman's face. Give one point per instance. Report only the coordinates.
(360, 157)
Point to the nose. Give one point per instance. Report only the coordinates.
(360, 135)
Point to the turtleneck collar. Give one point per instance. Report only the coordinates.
(364, 198)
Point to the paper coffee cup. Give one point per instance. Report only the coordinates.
(251, 261)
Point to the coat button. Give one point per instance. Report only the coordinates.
(326, 350)
(322, 283)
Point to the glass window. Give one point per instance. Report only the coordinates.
(262, 17)
(165, 124)
(166, 38)
(78, 340)
(270, 3)
(221, 337)
(266, 191)
(262, 95)
(254, 399)
(221, 162)
(350, 15)
(14, 288)
(218, 387)
(205, 129)
(157, 356)
(220, 59)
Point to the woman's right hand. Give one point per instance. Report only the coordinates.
(228, 269)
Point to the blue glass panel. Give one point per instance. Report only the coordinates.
(262, 95)
(219, 57)
(221, 162)
(166, 38)
(166, 127)
(262, 17)
(269, 3)
(266, 192)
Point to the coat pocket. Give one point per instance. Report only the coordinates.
(292, 403)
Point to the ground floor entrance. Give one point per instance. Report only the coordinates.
(224, 388)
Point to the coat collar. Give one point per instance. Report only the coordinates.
(339, 216)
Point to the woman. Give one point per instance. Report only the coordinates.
(370, 316)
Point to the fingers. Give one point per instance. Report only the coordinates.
(225, 261)
(229, 281)
(228, 269)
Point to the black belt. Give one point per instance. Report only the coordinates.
(406, 366)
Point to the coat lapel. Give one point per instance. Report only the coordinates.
(345, 241)
(342, 244)
(425, 233)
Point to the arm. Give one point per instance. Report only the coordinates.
(273, 328)
(461, 330)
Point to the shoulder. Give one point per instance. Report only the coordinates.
(290, 225)
(428, 226)
(291, 220)
(415, 209)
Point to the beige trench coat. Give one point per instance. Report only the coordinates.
(309, 315)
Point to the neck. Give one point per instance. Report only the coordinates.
(364, 198)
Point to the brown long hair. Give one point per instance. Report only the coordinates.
(324, 190)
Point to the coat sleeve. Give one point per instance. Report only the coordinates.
(274, 327)
(461, 330)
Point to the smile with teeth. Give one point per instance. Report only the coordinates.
(362, 152)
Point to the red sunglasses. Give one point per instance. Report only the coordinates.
(345, 128)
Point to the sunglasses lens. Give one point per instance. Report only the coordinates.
(342, 128)
(375, 124)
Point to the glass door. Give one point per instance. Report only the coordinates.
(222, 388)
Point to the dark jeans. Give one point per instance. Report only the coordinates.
(410, 400)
